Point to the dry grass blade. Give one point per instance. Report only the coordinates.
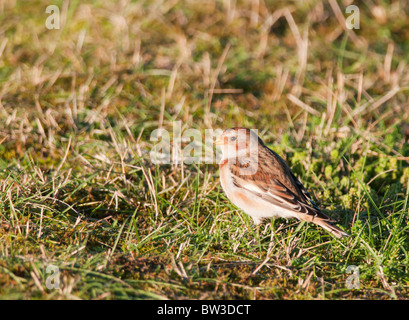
(367, 107)
(303, 105)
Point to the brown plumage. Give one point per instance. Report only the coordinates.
(259, 181)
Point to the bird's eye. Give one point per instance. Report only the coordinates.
(233, 138)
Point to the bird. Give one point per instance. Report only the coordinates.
(259, 182)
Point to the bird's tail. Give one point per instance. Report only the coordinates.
(337, 232)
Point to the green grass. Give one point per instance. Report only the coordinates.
(78, 189)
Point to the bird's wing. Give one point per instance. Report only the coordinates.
(276, 186)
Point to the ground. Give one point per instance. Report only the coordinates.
(86, 214)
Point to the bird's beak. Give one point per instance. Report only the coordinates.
(219, 142)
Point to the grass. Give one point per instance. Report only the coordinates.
(78, 189)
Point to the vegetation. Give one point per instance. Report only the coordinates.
(79, 191)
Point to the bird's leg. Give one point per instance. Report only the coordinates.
(273, 231)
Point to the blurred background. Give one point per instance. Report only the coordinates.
(209, 63)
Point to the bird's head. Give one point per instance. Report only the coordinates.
(238, 142)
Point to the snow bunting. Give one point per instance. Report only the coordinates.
(258, 181)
